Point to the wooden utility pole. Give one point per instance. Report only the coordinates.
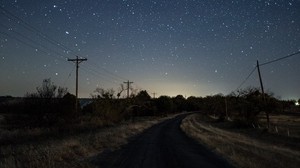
(128, 86)
(263, 93)
(154, 95)
(226, 108)
(77, 61)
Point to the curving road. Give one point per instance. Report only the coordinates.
(163, 146)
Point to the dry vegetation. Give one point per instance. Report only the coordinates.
(249, 147)
(52, 148)
(284, 125)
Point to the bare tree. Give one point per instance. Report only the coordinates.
(120, 90)
(61, 92)
(134, 91)
(104, 94)
(48, 90)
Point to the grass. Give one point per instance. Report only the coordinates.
(72, 148)
(251, 147)
(284, 125)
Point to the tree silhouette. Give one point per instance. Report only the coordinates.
(143, 96)
(49, 105)
(180, 103)
(101, 93)
(120, 90)
(164, 104)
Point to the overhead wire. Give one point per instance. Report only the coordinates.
(113, 75)
(23, 42)
(27, 26)
(266, 63)
(64, 84)
(244, 81)
(62, 57)
(279, 59)
(96, 74)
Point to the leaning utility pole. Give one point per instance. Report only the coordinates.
(263, 92)
(77, 61)
(128, 86)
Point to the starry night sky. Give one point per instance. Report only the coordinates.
(188, 47)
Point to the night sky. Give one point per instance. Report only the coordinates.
(188, 47)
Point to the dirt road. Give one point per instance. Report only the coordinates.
(163, 145)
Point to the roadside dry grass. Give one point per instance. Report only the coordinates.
(284, 125)
(75, 149)
(246, 148)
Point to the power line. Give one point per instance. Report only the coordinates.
(52, 41)
(23, 42)
(266, 63)
(278, 59)
(62, 57)
(108, 73)
(64, 84)
(39, 33)
(40, 50)
(29, 27)
(34, 47)
(244, 81)
(98, 74)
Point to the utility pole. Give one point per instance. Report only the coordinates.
(128, 86)
(263, 92)
(154, 95)
(226, 108)
(77, 61)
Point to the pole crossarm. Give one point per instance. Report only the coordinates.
(77, 60)
(128, 86)
(154, 94)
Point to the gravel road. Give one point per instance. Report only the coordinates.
(163, 146)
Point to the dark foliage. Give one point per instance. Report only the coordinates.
(53, 106)
(49, 106)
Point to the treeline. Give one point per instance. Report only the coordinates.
(53, 106)
(48, 106)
